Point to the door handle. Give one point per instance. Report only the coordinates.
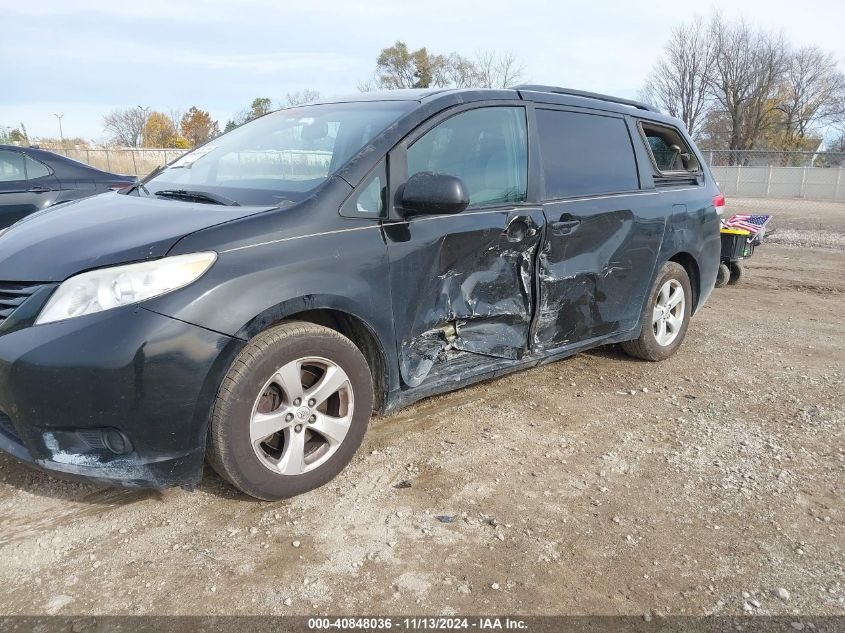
(38, 189)
(564, 227)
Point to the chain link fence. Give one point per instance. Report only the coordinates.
(761, 174)
(740, 173)
(121, 160)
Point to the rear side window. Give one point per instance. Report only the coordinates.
(670, 153)
(487, 148)
(585, 154)
(35, 169)
(11, 166)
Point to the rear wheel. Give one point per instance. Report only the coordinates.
(291, 412)
(664, 324)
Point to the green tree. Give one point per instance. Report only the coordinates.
(19, 135)
(260, 106)
(398, 67)
(13, 135)
(198, 127)
(179, 142)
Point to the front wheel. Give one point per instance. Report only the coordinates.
(291, 412)
(664, 324)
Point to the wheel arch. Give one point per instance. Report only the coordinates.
(688, 261)
(334, 314)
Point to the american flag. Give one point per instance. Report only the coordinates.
(746, 222)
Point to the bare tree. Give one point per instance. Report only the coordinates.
(747, 69)
(175, 115)
(301, 97)
(368, 85)
(399, 67)
(680, 81)
(498, 70)
(459, 72)
(812, 94)
(126, 127)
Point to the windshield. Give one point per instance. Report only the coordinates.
(282, 156)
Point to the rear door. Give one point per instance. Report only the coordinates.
(603, 232)
(26, 185)
(462, 285)
(14, 200)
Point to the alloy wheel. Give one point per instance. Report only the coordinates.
(301, 415)
(668, 312)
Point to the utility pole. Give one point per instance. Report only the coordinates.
(59, 117)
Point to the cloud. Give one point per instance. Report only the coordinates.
(220, 54)
(255, 62)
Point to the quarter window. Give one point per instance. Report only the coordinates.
(486, 148)
(669, 151)
(368, 199)
(11, 166)
(35, 169)
(585, 154)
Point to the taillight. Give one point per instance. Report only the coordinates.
(719, 203)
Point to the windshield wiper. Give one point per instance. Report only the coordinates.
(197, 196)
(139, 185)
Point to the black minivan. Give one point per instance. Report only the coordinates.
(254, 302)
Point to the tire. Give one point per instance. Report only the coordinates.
(315, 442)
(736, 273)
(723, 276)
(648, 346)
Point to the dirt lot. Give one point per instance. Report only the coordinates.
(597, 484)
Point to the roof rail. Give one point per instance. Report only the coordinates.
(581, 93)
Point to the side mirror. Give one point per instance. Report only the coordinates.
(427, 193)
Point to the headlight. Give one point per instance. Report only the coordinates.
(109, 288)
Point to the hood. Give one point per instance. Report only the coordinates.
(103, 230)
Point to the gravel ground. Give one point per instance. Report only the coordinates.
(711, 483)
(799, 223)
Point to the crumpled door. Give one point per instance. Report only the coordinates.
(462, 291)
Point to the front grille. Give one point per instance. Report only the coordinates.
(13, 294)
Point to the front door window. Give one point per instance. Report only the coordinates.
(462, 284)
(487, 148)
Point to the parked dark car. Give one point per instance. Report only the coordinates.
(32, 179)
(257, 300)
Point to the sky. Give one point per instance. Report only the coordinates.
(84, 58)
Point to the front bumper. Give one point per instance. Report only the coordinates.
(128, 373)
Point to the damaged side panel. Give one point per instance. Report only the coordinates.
(462, 289)
(595, 267)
